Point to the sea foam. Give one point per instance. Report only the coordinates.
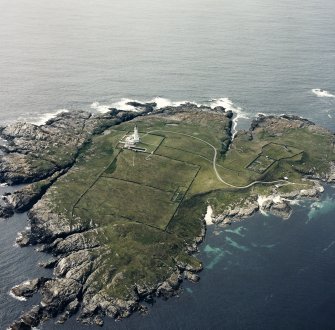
(42, 119)
(322, 93)
(319, 208)
(209, 216)
(229, 105)
(11, 293)
(122, 104)
(162, 102)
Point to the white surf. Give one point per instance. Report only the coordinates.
(322, 93)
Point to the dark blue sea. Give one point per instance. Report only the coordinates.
(252, 56)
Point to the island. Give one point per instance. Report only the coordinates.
(119, 200)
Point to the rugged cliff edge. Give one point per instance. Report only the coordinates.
(123, 225)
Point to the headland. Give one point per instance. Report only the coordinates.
(122, 213)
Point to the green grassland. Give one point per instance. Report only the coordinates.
(152, 170)
(147, 206)
(128, 200)
(279, 151)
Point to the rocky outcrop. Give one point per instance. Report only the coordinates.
(237, 212)
(331, 175)
(32, 153)
(47, 226)
(28, 320)
(28, 288)
(281, 209)
(100, 304)
(36, 152)
(191, 276)
(23, 239)
(276, 124)
(23, 199)
(58, 293)
(6, 211)
(79, 259)
(74, 242)
(277, 203)
(58, 296)
(148, 107)
(50, 263)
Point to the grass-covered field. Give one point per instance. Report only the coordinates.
(147, 206)
(280, 151)
(152, 170)
(128, 200)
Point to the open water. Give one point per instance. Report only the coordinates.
(254, 56)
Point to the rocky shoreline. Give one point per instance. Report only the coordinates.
(278, 204)
(37, 156)
(62, 295)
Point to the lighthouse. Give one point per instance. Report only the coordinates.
(136, 137)
(130, 141)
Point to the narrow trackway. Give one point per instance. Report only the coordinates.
(214, 164)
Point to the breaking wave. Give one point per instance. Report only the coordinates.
(16, 297)
(322, 93)
(123, 104)
(229, 105)
(100, 107)
(161, 102)
(43, 118)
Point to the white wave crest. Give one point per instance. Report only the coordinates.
(123, 104)
(42, 119)
(120, 105)
(162, 102)
(11, 293)
(104, 108)
(209, 216)
(229, 105)
(322, 93)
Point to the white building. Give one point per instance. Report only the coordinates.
(133, 139)
(136, 136)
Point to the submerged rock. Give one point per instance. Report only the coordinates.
(23, 239)
(6, 211)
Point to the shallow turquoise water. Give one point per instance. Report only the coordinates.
(278, 275)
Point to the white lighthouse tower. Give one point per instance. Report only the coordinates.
(130, 141)
(136, 136)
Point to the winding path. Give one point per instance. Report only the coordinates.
(214, 163)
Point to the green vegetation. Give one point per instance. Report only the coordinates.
(147, 206)
(152, 170)
(280, 151)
